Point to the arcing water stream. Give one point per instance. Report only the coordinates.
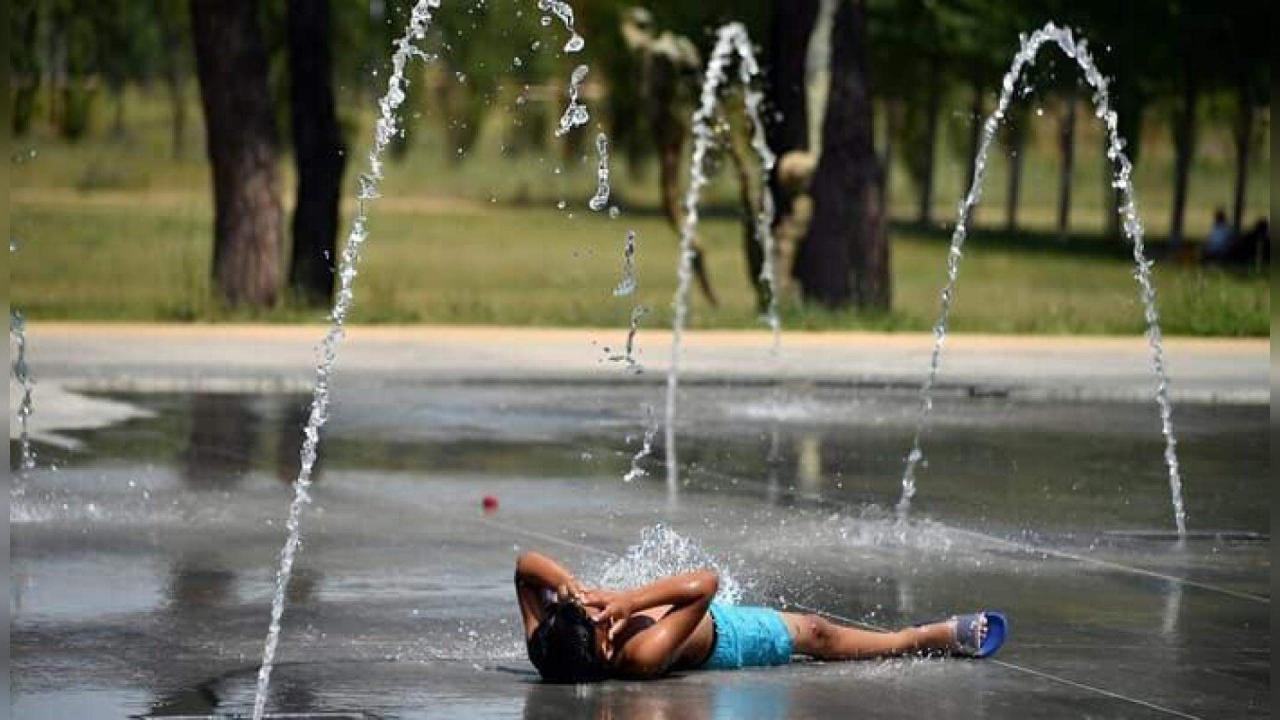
(388, 125)
(21, 371)
(575, 113)
(22, 374)
(1131, 224)
(731, 41)
(601, 198)
(563, 11)
(386, 128)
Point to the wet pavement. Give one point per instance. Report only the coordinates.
(144, 551)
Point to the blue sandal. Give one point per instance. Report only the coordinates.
(967, 629)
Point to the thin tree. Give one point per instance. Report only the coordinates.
(318, 151)
(787, 125)
(976, 109)
(1249, 72)
(1189, 30)
(932, 110)
(231, 63)
(174, 31)
(1139, 59)
(1067, 148)
(845, 256)
(25, 66)
(1242, 134)
(1017, 146)
(1184, 143)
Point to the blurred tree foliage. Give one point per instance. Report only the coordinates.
(505, 55)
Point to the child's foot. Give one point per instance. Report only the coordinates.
(968, 632)
(974, 635)
(978, 634)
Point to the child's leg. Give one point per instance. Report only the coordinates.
(818, 637)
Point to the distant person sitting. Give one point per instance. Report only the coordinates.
(1218, 244)
(1254, 246)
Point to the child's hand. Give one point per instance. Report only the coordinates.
(615, 613)
(571, 589)
(599, 597)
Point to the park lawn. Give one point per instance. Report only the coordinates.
(119, 228)
(125, 256)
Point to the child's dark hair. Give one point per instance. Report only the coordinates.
(564, 647)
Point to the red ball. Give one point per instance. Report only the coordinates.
(489, 503)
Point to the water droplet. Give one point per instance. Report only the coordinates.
(561, 205)
(614, 212)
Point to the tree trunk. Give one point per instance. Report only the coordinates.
(318, 152)
(750, 210)
(845, 255)
(241, 143)
(117, 120)
(178, 113)
(24, 77)
(1067, 146)
(933, 106)
(787, 125)
(1243, 136)
(893, 115)
(1184, 140)
(1017, 143)
(975, 138)
(174, 71)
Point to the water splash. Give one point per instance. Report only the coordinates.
(637, 470)
(387, 128)
(731, 41)
(22, 373)
(564, 11)
(576, 113)
(1130, 222)
(601, 198)
(627, 285)
(628, 356)
(662, 552)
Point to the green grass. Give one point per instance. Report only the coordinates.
(524, 266)
(115, 229)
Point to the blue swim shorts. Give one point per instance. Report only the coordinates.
(748, 637)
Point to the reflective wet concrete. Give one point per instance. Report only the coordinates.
(143, 559)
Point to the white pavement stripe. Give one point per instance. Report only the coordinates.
(544, 536)
(1101, 691)
(1031, 549)
(1108, 565)
(1024, 669)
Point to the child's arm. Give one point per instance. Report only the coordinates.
(651, 651)
(536, 575)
